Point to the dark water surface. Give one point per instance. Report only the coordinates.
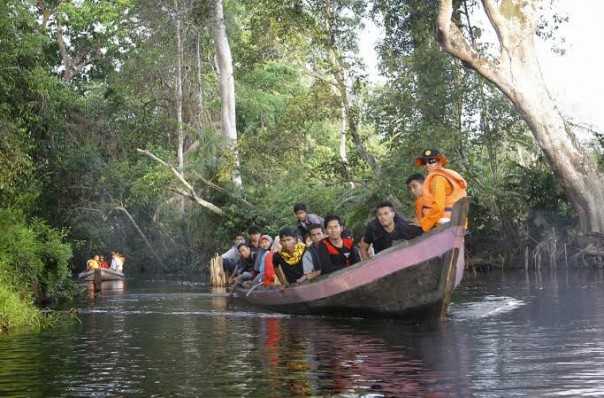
(514, 334)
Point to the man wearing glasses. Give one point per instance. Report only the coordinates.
(442, 188)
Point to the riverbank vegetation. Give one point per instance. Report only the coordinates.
(162, 130)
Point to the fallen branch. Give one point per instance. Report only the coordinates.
(190, 192)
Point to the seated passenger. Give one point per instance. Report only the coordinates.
(228, 260)
(269, 278)
(103, 263)
(310, 261)
(93, 263)
(254, 232)
(415, 183)
(265, 243)
(248, 263)
(335, 252)
(288, 260)
(386, 228)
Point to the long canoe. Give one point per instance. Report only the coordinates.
(105, 274)
(412, 279)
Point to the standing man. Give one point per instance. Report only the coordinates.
(305, 220)
(442, 188)
(335, 252)
(386, 228)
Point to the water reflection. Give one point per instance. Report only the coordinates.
(107, 288)
(522, 334)
(322, 357)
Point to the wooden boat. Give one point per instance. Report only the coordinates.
(412, 279)
(105, 274)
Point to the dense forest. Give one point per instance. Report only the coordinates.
(162, 128)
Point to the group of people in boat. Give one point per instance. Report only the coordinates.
(320, 245)
(98, 261)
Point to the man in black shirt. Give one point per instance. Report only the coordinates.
(335, 252)
(386, 228)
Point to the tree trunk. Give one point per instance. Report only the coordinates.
(160, 263)
(179, 130)
(179, 59)
(350, 110)
(199, 84)
(516, 72)
(343, 135)
(227, 85)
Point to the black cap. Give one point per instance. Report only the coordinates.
(286, 232)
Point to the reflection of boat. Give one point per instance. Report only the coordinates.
(105, 274)
(410, 279)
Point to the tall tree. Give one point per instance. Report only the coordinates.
(227, 85)
(516, 72)
(88, 33)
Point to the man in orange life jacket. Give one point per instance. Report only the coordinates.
(335, 252)
(442, 188)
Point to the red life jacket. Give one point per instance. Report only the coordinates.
(334, 251)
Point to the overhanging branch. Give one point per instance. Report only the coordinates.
(190, 191)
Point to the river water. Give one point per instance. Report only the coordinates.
(511, 334)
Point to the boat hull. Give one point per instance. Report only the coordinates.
(105, 274)
(411, 279)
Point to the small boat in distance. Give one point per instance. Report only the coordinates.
(104, 274)
(412, 279)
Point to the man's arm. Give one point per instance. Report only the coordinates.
(364, 249)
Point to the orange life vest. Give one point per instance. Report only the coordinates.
(419, 207)
(457, 191)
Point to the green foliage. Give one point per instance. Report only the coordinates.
(68, 151)
(33, 268)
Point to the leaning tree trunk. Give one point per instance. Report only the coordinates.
(227, 85)
(516, 72)
(158, 260)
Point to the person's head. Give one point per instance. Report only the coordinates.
(102, 258)
(431, 159)
(239, 239)
(287, 238)
(301, 211)
(96, 257)
(315, 233)
(254, 232)
(333, 227)
(415, 183)
(385, 213)
(113, 254)
(265, 242)
(346, 233)
(244, 250)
